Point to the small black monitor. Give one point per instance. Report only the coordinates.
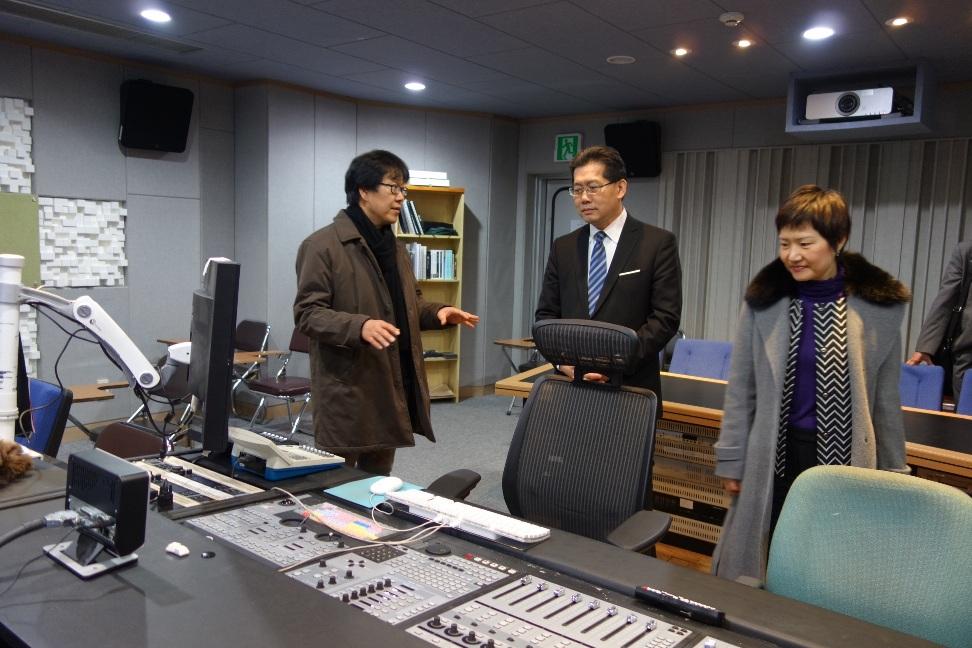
(212, 339)
(154, 116)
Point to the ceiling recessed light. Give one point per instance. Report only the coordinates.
(621, 59)
(743, 43)
(898, 22)
(680, 51)
(156, 15)
(415, 86)
(818, 33)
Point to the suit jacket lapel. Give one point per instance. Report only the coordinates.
(630, 235)
(583, 236)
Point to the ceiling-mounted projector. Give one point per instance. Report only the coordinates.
(851, 103)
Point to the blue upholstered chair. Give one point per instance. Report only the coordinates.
(703, 358)
(888, 548)
(50, 405)
(921, 386)
(964, 404)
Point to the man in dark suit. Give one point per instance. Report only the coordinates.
(933, 329)
(617, 269)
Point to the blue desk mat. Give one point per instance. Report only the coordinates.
(358, 492)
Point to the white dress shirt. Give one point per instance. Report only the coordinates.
(612, 234)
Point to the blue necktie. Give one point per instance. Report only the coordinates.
(597, 273)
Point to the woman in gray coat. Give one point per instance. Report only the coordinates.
(814, 375)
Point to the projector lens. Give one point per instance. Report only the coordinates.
(848, 103)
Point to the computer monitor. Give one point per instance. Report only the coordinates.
(212, 339)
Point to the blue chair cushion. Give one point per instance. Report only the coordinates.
(703, 358)
(921, 386)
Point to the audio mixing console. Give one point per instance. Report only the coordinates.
(448, 591)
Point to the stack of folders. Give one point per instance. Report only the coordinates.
(430, 263)
(409, 220)
(428, 178)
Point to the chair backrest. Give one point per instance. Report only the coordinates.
(252, 335)
(891, 549)
(703, 358)
(127, 440)
(921, 386)
(580, 459)
(964, 404)
(50, 406)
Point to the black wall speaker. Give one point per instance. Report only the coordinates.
(154, 116)
(639, 144)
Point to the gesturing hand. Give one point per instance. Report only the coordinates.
(452, 315)
(379, 333)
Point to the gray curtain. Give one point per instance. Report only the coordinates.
(910, 203)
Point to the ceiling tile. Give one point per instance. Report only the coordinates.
(477, 8)
(125, 12)
(781, 22)
(631, 15)
(857, 49)
(278, 48)
(283, 17)
(423, 22)
(395, 52)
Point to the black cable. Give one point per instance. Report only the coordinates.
(23, 529)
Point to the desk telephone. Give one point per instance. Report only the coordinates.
(258, 454)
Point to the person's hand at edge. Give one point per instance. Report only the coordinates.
(732, 486)
(919, 358)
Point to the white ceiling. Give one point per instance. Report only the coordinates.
(521, 58)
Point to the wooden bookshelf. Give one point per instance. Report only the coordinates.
(442, 205)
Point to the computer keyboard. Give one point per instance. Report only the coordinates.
(469, 518)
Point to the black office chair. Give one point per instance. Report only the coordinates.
(580, 459)
(283, 386)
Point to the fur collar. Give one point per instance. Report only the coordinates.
(861, 279)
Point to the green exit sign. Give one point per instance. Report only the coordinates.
(567, 147)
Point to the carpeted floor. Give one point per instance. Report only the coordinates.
(473, 434)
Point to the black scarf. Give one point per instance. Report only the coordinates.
(382, 243)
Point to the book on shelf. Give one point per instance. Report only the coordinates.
(428, 178)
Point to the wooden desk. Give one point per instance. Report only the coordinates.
(96, 392)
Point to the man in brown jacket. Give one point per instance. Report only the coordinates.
(358, 302)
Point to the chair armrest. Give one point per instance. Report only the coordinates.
(455, 485)
(641, 530)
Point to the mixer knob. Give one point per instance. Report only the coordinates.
(345, 598)
(593, 605)
(323, 563)
(575, 598)
(436, 622)
(526, 580)
(332, 580)
(470, 638)
(354, 595)
(709, 643)
(612, 611)
(379, 586)
(320, 583)
(371, 588)
(349, 574)
(541, 586)
(387, 582)
(558, 592)
(453, 630)
(650, 625)
(630, 618)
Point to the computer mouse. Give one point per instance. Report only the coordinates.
(386, 485)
